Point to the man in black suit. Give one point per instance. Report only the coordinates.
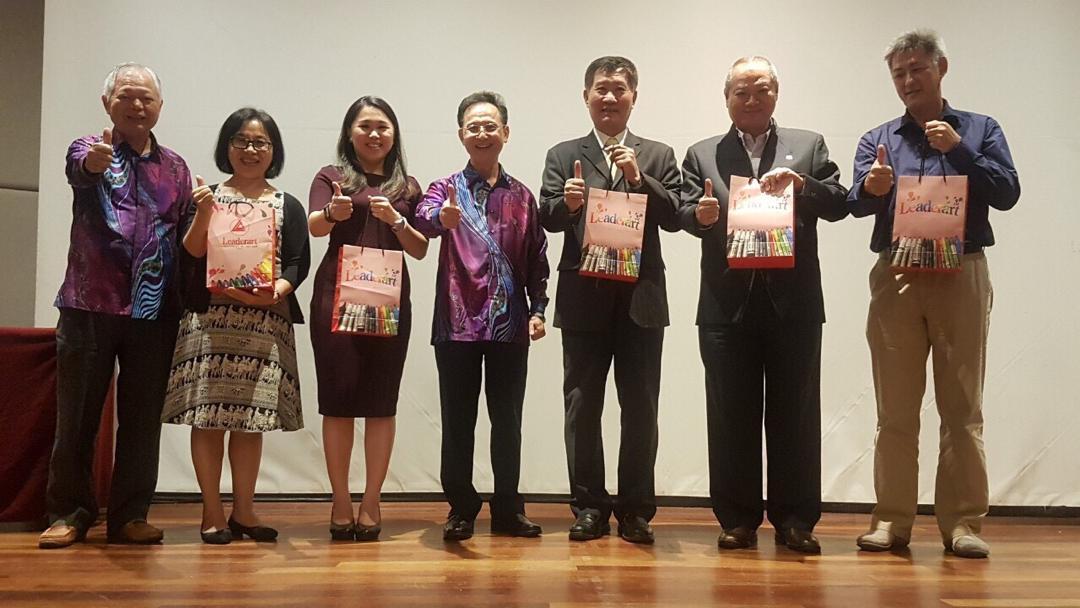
(755, 324)
(603, 319)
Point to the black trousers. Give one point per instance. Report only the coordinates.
(504, 369)
(587, 356)
(88, 347)
(764, 367)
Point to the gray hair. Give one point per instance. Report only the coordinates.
(110, 80)
(925, 40)
(751, 59)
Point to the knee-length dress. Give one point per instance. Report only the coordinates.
(358, 376)
(234, 366)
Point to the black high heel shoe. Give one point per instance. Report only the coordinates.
(260, 534)
(367, 533)
(341, 531)
(370, 533)
(216, 537)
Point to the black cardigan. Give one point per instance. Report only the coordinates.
(295, 260)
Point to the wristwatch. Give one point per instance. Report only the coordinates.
(399, 225)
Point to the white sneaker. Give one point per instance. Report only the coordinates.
(969, 545)
(880, 540)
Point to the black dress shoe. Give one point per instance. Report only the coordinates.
(795, 539)
(457, 528)
(216, 537)
(634, 529)
(262, 534)
(739, 537)
(588, 526)
(518, 525)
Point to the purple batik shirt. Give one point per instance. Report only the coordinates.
(493, 262)
(123, 253)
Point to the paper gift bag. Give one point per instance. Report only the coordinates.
(241, 246)
(761, 227)
(614, 230)
(367, 299)
(928, 222)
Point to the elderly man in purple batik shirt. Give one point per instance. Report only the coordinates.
(118, 302)
(493, 255)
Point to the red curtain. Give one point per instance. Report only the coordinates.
(28, 425)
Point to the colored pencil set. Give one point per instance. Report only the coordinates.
(259, 277)
(777, 242)
(928, 254)
(611, 261)
(368, 319)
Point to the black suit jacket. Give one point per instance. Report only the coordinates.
(795, 293)
(588, 303)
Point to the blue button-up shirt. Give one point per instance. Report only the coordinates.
(982, 155)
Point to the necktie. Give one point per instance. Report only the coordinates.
(611, 141)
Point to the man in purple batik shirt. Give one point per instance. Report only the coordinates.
(491, 293)
(118, 302)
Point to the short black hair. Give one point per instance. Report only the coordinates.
(232, 126)
(609, 65)
(482, 97)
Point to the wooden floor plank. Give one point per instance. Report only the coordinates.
(1034, 562)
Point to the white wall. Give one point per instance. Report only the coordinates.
(305, 62)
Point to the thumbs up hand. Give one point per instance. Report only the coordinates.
(880, 179)
(450, 213)
(708, 208)
(574, 190)
(340, 207)
(100, 155)
(203, 197)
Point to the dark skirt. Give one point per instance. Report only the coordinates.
(358, 376)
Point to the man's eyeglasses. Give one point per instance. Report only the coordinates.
(242, 143)
(478, 128)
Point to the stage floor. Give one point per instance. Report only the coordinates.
(1033, 563)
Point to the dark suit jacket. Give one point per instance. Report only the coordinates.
(795, 293)
(587, 303)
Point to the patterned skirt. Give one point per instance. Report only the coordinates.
(234, 368)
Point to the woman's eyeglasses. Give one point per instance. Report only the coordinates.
(242, 143)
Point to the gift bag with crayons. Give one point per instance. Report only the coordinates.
(928, 222)
(761, 227)
(367, 298)
(241, 245)
(614, 229)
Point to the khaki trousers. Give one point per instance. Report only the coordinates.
(912, 315)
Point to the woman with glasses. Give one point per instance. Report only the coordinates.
(234, 367)
(366, 199)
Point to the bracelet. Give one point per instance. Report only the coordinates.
(326, 215)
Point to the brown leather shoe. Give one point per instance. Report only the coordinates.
(137, 532)
(59, 535)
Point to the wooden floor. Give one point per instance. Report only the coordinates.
(1034, 563)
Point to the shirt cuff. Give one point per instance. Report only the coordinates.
(538, 308)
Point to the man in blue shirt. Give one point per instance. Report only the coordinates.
(912, 314)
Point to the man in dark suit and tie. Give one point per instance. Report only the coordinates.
(602, 320)
(761, 324)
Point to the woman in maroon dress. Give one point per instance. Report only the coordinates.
(366, 199)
